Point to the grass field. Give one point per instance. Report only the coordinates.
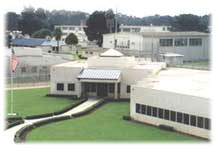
(104, 125)
(34, 101)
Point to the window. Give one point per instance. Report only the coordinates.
(115, 43)
(60, 86)
(71, 87)
(166, 114)
(137, 108)
(91, 53)
(181, 42)
(86, 52)
(179, 117)
(200, 122)
(166, 42)
(93, 88)
(23, 69)
(195, 42)
(186, 119)
(149, 110)
(143, 109)
(173, 116)
(34, 69)
(193, 120)
(128, 89)
(160, 112)
(111, 88)
(207, 123)
(154, 111)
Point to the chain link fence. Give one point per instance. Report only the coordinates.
(199, 65)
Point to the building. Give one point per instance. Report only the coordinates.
(139, 29)
(103, 76)
(78, 30)
(34, 65)
(47, 45)
(193, 45)
(177, 98)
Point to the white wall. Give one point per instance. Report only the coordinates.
(60, 74)
(173, 101)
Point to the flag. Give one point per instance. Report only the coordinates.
(14, 61)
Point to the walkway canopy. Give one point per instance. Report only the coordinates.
(103, 75)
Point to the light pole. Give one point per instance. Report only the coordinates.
(152, 57)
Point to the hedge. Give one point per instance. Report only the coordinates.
(126, 117)
(87, 111)
(39, 116)
(12, 119)
(165, 127)
(20, 135)
(117, 100)
(18, 122)
(50, 120)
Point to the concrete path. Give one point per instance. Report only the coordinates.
(9, 134)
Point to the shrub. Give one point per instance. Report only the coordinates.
(126, 117)
(165, 127)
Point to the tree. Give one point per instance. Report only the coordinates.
(71, 39)
(57, 34)
(12, 21)
(43, 33)
(8, 40)
(96, 26)
(188, 22)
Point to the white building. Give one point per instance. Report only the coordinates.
(178, 98)
(193, 45)
(78, 30)
(138, 29)
(105, 76)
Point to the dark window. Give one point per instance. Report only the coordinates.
(186, 119)
(179, 117)
(193, 120)
(173, 115)
(154, 111)
(160, 112)
(143, 109)
(128, 88)
(195, 41)
(149, 110)
(166, 42)
(200, 122)
(181, 42)
(166, 114)
(118, 88)
(23, 69)
(111, 88)
(71, 87)
(60, 86)
(137, 108)
(207, 124)
(34, 69)
(93, 88)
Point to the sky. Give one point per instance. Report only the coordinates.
(139, 8)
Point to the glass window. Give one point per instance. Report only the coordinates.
(23, 69)
(179, 117)
(128, 89)
(149, 110)
(34, 69)
(160, 112)
(93, 88)
(181, 42)
(143, 109)
(195, 41)
(60, 86)
(186, 119)
(173, 116)
(71, 87)
(207, 124)
(200, 122)
(154, 111)
(166, 114)
(137, 108)
(111, 88)
(166, 42)
(193, 120)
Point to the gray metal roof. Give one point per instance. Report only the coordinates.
(27, 41)
(100, 74)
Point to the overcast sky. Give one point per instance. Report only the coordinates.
(139, 8)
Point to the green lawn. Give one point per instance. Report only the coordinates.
(34, 101)
(105, 124)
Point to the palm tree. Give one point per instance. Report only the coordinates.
(57, 33)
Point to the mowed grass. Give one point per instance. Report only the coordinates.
(103, 125)
(34, 101)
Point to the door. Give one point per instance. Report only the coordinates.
(102, 90)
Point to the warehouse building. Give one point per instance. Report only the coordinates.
(177, 98)
(103, 76)
(194, 46)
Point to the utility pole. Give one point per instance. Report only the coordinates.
(152, 57)
(115, 41)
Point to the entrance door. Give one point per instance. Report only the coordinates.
(102, 90)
